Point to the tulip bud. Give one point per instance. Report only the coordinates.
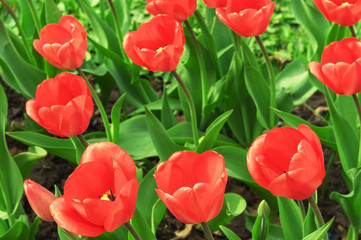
(39, 199)
(263, 209)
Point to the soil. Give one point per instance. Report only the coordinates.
(52, 171)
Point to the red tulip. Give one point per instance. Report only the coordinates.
(101, 194)
(180, 10)
(215, 3)
(63, 44)
(39, 199)
(247, 18)
(287, 162)
(192, 185)
(157, 45)
(340, 67)
(63, 105)
(345, 13)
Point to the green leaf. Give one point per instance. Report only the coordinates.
(164, 146)
(115, 117)
(34, 228)
(52, 13)
(275, 231)
(19, 231)
(167, 117)
(141, 226)
(79, 148)
(257, 228)
(291, 219)
(26, 20)
(319, 233)
(59, 147)
(158, 211)
(120, 233)
(27, 160)
(65, 235)
(337, 33)
(346, 139)
(212, 132)
(229, 234)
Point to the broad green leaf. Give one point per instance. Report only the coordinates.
(319, 233)
(158, 211)
(27, 160)
(115, 117)
(257, 228)
(346, 139)
(79, 148)
(4, 227)
(141, 226)
(164, 146)
(337, 33)
(65, 235)
(19, 231)
(212, 132)
(59, 147)
(122, 8)
(275, 231)
(120, 233)
(291, 220)
(34, 228)
(167, 117)
(52, 13)
(229, 234)
(309, 224)
(26, 20)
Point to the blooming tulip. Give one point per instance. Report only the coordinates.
(100, 195)
(180, 10)
(63, 44)
(157, 45)
(287, 162)
(247, 18)
(39, 199)
(192, 185)
(340, 67)
(215, 3)
(63, 105)
(345, 13)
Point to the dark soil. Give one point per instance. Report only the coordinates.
(54, 171)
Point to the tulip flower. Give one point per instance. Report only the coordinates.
(180, 10)
(39, 199)
(63, 105)
(100, 195)
(215, 3)
(345, 13)
(288, 162)
(63, 44)
(192, 185)
(247, 18)
(340, 66)
(157, 45)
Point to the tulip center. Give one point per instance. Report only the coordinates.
(161, 48)
(345, 4)
(108, 196)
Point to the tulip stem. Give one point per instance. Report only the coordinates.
(83, 140)
(132, 230)
(207, 231)
(317, 212)
(26, 45)
(358, 107)
(352, 30)
(271, 79)
(192, 109)
(302, 209)
(201, 63)
(99, 104)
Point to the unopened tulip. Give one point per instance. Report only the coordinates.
(288, 162)
(340, 67)
(345, 13)
(101, 194)
(192, 185)
(247, 18)
(157, 45)
(63, 105)
(180, 10)
(39, 199)
(63, 44)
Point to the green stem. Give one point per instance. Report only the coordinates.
(207, 231)
(35, 15)
(317, 212)
(302, 209)
(271, 78)
(262, 229)
(22, 34)
(132, 230)
(201, 63)
(325, 180)
(352, 30)
(118, 29)
(192, 109)
(358, 107)
(103, 114)
(83, 140)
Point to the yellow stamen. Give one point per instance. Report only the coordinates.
(108, 196)
(160, 49)
(345, 4)
(105, 197)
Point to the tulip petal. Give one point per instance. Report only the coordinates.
(53, 33)
(168, 171)
(69, 219)
(73, 26)
(209, 167)
(32, 109)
